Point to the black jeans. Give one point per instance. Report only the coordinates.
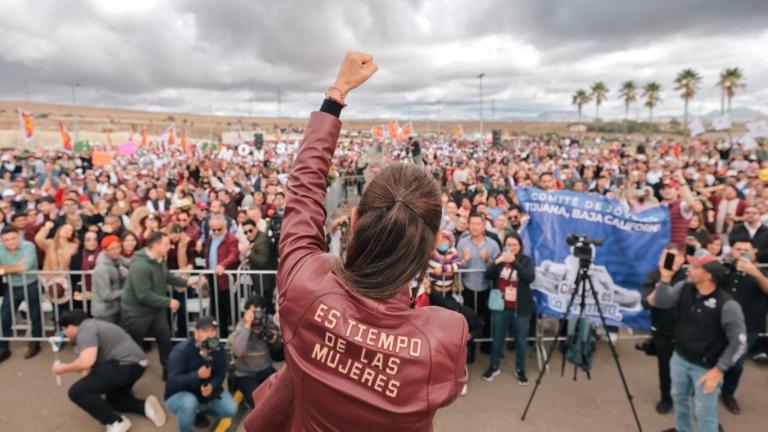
(113, 380)
(156, 324)
(247, 384)
(222, 307)
(665, 347)
(481, 306)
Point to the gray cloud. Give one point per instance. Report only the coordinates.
(234, 55)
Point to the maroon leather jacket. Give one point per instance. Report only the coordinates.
(227, 256)
(352, 363)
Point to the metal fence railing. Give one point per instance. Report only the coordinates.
(32, 302)
(31, 314)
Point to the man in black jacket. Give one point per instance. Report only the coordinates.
(663, 323)
(196, 371)
(755, 231)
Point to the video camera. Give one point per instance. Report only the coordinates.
(207, 347)
(582, 245)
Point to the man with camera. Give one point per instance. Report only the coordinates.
(255, 343)
(710, 337)
(196, 370)
(748, 285)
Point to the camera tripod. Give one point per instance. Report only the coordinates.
(583, 282)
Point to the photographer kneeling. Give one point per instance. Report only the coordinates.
(255, 343)
(196, 370)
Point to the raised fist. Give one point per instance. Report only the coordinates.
(356, 68)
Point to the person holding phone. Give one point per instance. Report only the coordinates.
(748, 285)
(710, 336)
(511, 273)
(663, 323)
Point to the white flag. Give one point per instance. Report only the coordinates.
(758, 128)
(748, 142)
(722, 122)
(696, 127)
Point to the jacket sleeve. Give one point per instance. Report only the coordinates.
(172, 279)
(259, 256)
(232, 254)
(140, 278)
(526, 272)
(102, 289)
(303, 222)
(178, 379)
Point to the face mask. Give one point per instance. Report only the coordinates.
(442, 248)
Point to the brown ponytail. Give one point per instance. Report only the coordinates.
(397, 224)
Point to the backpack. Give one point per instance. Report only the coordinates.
(581, 342)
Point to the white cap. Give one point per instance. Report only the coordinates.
(9, 193)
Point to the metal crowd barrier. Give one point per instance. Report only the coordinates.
(195, 302)
(56, 292)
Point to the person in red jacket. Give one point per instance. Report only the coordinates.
(357, 357)
(221, 254)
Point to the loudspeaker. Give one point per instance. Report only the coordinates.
(258, 140)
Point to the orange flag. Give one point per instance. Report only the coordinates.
(278, 135)
(171, 131)
(66, 140)
(378, 131)
(393, 127)
(25, 121)
(143, 136)
(406, 131)
(183, 139)
(458, 132)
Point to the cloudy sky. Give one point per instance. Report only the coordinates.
(233, 56)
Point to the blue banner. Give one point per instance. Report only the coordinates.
(632, 246)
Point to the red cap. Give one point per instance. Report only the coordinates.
(700, 261)
(202, 206)
(671, 184)
(109, 241)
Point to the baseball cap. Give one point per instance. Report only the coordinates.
(710, 264)
(206, 322)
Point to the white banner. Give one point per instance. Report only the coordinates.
(748, 142)
(696, 127)
(758, 128)
(722, 122)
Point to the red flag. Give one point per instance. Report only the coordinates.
(66, 140)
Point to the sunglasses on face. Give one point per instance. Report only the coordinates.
(249, 232)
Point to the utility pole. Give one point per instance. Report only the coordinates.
(279, 104)
(75, 125)
(480, 88)
(210, 121)
(26, 89)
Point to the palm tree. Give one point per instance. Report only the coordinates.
(628, 92)
(599, 91)
(730, 80)
(580, 98)
(687, 83)
(651, 93)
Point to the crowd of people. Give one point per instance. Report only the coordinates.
(108, 238)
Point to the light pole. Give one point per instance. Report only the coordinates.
(75, 126)
(481, 104)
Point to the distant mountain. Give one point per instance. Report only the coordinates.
(738, 113)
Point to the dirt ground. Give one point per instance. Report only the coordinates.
(31, 401)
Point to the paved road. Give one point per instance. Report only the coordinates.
(31, 401)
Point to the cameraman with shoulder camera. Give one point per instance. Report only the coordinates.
(748, 285)
(255, 343)
(196, 370)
